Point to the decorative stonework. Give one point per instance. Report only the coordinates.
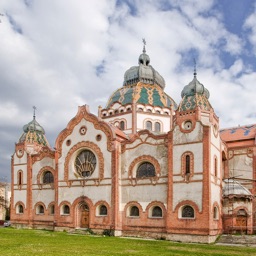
(19, 153)
(83, 113)
(83, 130)
(45, 152)
(86, 145)
(144, 136)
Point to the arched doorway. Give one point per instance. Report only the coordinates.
(84, 216)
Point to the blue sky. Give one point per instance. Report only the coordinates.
(58, 55)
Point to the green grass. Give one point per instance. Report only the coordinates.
(24, 242)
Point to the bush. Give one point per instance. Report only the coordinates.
(108, 232)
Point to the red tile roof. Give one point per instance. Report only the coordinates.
(238, 133)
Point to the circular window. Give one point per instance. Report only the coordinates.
(68, 142)
(98, 137)
(83, 130)
(85, 163)
(19, 153)
(187, 125)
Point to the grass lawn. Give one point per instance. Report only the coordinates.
(39, 242)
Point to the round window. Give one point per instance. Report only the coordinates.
(187, 125)
(85, 163)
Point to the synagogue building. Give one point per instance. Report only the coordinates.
(146, 166)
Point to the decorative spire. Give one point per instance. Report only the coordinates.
(195, 68)
(34, 115)
(144, 44)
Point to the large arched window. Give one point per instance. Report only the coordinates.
(157, 212)
(146, 169)
(134, 211)
(157, 127)
(149, 125)
(48, 177)
(187, 212)
(85, 163)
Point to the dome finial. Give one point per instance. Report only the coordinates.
(144, 44)
(195, 68)
(34, 115)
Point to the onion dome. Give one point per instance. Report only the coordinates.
(144, 73)
(194, 95)
(142, 84)
(33, 133)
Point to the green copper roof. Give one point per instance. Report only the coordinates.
(190, 102)
(34, 133)
(194, 95)
(142, 93)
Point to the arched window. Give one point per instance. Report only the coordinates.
(19, 182)
(40, 209)
(20, 208)
(215, 213)
(122, 125)
(187, 164)
(146, 169)
(187, 212)
(48, 177)
(103, 210)
(66, 209)
(157, 127)
(157, 212)
(134, 211)
(149, 125)
(85, 163)
(52, 209)
(215, 166)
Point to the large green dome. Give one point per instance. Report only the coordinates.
(151, 94)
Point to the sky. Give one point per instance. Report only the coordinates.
(59, 54)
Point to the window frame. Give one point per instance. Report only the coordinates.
(100, 210)
(81, 167)
(152, 213)
(147, 171)
(183, 209)
(50, 179)
(134, 209)
(65, 209)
